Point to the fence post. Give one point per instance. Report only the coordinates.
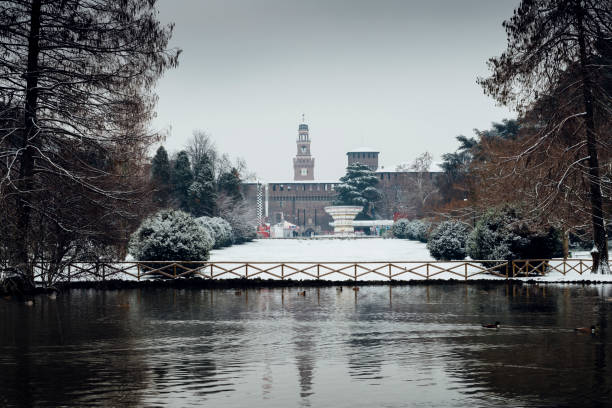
(103, 272)
(174, 268)
(355, 272)
(138, 271)
(246, 271)
(318, 273)
(466, 273)
(390, 272)
(427, 270)
(282, 271)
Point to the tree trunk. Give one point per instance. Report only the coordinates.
(600, 262)
(26, 165)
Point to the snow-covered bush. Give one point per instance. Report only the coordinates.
(506, 234)
(242, 230)
(418, 230)
(399, 228)
(447, 241)
(219, 229)
(241, 217)
(171, 235)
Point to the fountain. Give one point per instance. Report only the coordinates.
(343, 216)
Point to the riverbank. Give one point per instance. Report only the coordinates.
(239, 284)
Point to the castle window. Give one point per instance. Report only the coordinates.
(382, 176)
(281, 187)
(273, 187)
(304, 171)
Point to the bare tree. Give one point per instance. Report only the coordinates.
(562, 49)
(76, 78)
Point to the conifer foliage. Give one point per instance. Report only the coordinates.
(358, 188)
(160, 176)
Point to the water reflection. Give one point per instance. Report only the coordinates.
(391, 346)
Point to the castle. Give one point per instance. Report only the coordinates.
(301, 201)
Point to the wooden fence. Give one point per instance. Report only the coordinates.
(335, 270)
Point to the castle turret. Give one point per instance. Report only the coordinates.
(303, 162)
(364, 155)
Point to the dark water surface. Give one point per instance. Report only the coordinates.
(379, 347)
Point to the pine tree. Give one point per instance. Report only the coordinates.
(229, 184)
(182, 178)
(358, 188)
(160, 177)
(202, 192)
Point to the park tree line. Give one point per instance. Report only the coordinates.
(76, 99)
(201, 184)
(553, 163)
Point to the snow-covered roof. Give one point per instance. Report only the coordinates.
(303, 182)
(363, 150)
(296, 182)
(434, 168)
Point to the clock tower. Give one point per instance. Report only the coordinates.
(303, 162)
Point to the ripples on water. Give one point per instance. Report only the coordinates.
(405, 346)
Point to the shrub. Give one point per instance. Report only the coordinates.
(418, 230)
(242, 229)
(219, 229)
(171, 235)
(447, 241)
(503, 233)
(399, 228)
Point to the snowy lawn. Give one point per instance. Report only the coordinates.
(321, 250)
(325, 257)
(381, 251)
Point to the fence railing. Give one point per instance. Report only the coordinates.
(334, 270)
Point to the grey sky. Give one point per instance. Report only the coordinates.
(395, 75)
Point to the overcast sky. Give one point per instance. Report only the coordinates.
(395, 75)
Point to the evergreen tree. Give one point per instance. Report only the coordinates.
(229, 184)
(182, 178)
(358, 188)
(160, 176)
(202, 192)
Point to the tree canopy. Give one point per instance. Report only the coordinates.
(358, 187)
(556, 70)
(76, 81)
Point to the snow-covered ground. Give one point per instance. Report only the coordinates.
(403, 253)
(320, 250)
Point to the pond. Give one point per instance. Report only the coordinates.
(416, 345)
